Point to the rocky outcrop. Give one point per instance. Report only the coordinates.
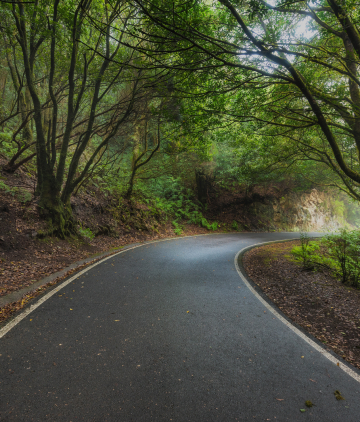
(308, 211)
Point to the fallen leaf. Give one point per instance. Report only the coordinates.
(338, 395)
(303, 410)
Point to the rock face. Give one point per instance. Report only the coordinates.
(311, 211)
(308, 211)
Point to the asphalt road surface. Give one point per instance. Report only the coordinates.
(167, 332)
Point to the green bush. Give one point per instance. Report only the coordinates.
(180, 204)
(339, 253)
(235, 225)
(6, 188)
(339, 208)
(306, 251)
(344, 248)
(86, 232)
(23, 195)
(8, 148)
(177, 227)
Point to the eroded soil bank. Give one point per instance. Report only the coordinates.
(316, 301)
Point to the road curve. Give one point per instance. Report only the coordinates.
(167, 332)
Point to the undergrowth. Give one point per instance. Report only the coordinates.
(86, 232)
(178, 204)
(22, 195)
(339, 253)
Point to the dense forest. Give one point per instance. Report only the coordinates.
(174, 102)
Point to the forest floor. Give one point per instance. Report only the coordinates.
(316, 301)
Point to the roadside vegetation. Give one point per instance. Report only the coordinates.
(338, 254)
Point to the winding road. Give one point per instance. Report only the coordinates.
(167, 331)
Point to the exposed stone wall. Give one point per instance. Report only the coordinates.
(311, 211)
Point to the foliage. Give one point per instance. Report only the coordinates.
(344, 248)
(304, 252)
(21, 194)
(339, 208)
(259, 67)
(86, 232)
(89, 107)
(7, 147)
(129, 95)
(176, 201)
(178, 229)
(6, 188)
(339, 253)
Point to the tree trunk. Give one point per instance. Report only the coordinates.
(61, 222)
(204, 185)
(131, 184)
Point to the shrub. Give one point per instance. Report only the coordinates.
(181, 206)
(339, 253)
(344, 248)
(86, 232)
(235, 225)
(177, 227)
(305, 252)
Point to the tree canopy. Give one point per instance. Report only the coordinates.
(91, 82)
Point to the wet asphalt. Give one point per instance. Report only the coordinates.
(167, 332)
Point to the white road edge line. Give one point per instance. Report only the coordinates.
(32, 308)
(329, 356)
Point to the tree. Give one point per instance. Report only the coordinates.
(82, 90)
(285, 76)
